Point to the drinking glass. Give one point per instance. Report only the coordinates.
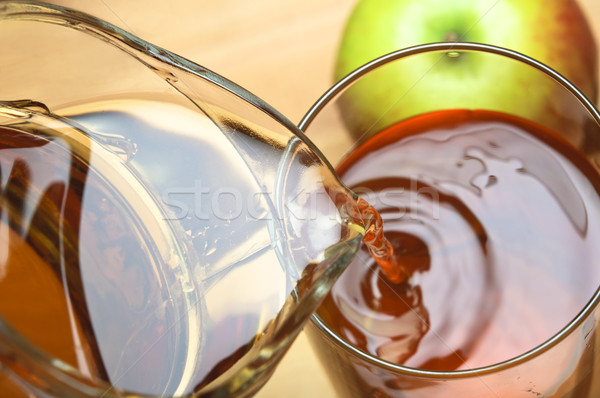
(566, 364)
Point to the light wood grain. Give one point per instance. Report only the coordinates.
(283, 51)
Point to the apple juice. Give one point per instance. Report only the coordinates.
(496, 220)
(68, 243)
(122, 240)
(81, 277)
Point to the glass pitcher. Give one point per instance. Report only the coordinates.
(164, 231)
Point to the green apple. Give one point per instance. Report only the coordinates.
(555, 32)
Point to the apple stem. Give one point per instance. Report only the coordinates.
(451, 37)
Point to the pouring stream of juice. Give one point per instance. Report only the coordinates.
(379, 246)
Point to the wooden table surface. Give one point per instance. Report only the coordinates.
(283, 51)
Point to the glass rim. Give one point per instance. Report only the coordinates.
(356, 74)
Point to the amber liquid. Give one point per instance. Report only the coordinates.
(378, 245)
(496, 221)
(68, 246)
(81, 279)
(122, 256)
